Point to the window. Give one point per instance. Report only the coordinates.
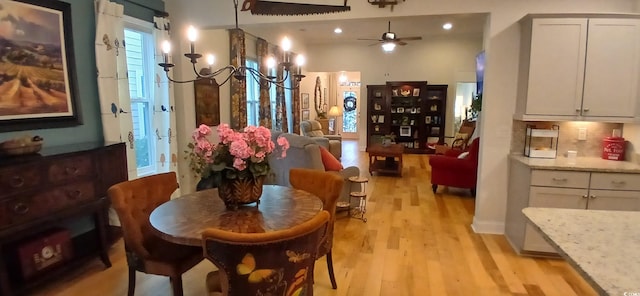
(140, 60)
(272, 100)
(253, 95)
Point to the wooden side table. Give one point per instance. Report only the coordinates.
(359, 211)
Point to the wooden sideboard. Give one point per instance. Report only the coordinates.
(60, 186)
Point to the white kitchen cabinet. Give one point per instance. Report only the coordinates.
(562, 189)
(580, 68)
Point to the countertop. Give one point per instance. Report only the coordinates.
(601, 245)
(594, 164)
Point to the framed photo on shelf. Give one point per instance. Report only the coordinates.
(377, 94)
(427, 119)
(305, 114)
(435, 131)
(381, 119)
(400, 110)
(377, 106)
(405, 131)
(305, 100)
(416, 92)
(38, 67)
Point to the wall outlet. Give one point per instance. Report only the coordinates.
(582, 134)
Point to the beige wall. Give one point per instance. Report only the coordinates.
(501, 41)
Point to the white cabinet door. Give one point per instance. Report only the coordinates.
(612, 68)
(556, 66)
(551, 197)
(614, 200)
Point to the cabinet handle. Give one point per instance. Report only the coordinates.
(71, 170)
(578, 110)
(592, 196)
(559, 179)
(585, 109)
(618, 182)
(20, 208)
(16, 182)
(73, 195)
(585, 196)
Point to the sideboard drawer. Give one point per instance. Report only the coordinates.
(26, 208)
(19, 178)
(70, 195)
(562, 179)
(615, 181)
(71, 168)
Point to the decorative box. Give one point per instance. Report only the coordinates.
(49, 249)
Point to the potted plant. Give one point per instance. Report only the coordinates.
(238, 164)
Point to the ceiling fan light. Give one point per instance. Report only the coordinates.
(447, 26)
(388, 46)
(337, 30)
(388, 36)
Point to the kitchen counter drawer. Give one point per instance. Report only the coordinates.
(613, 181)
(563, 179)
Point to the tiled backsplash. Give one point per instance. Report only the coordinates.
(568, 139)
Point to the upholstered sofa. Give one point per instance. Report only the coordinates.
(304, 152)
(313, 129)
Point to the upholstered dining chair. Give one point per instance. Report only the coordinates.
(271, 263)
(134, 201)
(327, 186)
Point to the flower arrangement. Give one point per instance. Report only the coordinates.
(238, 155)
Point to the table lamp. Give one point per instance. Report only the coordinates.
(333, 113)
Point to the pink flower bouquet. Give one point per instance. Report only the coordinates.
(237, 155)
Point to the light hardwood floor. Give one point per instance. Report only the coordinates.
(414, 243)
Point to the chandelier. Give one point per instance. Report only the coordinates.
(240, 72)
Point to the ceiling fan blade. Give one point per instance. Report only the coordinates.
(401, 43)
(374, 44)
(409, 38)
(369, 39)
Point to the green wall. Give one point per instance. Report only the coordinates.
(84, 26)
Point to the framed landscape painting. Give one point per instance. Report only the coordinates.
(38, 86)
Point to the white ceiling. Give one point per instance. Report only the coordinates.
(321, 32)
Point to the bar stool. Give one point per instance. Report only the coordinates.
(359, 211)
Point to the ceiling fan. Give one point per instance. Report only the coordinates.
(391, 37)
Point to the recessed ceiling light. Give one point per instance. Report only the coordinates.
(337, 30)
(447, 26)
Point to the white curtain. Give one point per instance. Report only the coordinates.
(164, 115)
(113, 85)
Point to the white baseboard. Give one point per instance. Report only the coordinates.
(488, 227)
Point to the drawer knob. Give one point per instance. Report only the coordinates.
(559, 179)
(592, 196)
(71, 170)
(16, 182)
(586, 110)
(585, 196)
(20, 208)
(74, 194)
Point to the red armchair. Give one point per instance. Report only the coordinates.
(449, 170)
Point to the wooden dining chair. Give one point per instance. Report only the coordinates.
(269, 263)
(327, 186)
(134, 201)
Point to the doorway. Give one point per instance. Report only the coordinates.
(349, 101)
(465, 91)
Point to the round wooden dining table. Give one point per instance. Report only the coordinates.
(182, 220)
